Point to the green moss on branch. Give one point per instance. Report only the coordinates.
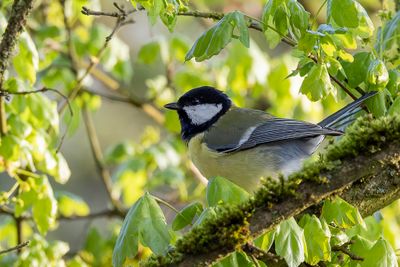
(275, 201)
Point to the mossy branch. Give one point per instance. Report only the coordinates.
(16, 22)
(363, 168)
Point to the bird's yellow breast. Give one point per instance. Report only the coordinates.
(244, 168)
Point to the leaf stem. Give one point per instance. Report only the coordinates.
(165, 203)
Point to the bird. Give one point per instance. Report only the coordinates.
(242, 144)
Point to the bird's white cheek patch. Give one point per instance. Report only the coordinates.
(202, 113)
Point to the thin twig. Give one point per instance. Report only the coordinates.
(99, 159)
(147, 108)
(17, 247)
(68, 29)
(18, 224)
(270, 259)
(121, 21)
(43, 90)
(343, 248)
(86, 11)
(254, 260)
(93, 215)
(165, 203)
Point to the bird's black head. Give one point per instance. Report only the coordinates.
(199, 108)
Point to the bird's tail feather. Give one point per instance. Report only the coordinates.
(338, 117)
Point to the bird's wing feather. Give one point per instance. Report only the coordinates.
(271, 130)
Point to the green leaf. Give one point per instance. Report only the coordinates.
(209, 212)
(222, 190)
(275, 13)
(237, 259)
(119, 152)
(70, 204)
(372, 231)
(377, 103)
(149, 53)
(145, 223)
(360, 246)
(307, 42)
(44, 208)
(290, 243)
(349, 13)
(26, 62)
(366, 27)
(212, 41)
(266, 240)
(169, 13)
(61, 172)
(317, 84)
(298, 17)
(388, 39)
(10, 147)
(357, 70)
(381, 254)
(186, 215)
(177, 48)
(317, 236)
(341, 213)
(153, 8)
(395, 107)
(343, 12)
(394, 82)
(377, 75)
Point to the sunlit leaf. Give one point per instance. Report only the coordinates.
(149, 53)
(44, 208)
(212, 41)
(26, 62)
(266, 240)
(144, 223)
(317, 236)
(341, 213)
(290, 243)
(357, 70)
(70, 204)
(186, 215)
(395, 107)
(317, 84)
(381, 254)
(222, 190)
(237, 259)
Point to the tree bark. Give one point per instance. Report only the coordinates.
(369, 182)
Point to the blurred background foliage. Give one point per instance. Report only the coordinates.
(60, 194)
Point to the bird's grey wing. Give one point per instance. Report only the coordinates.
(275, 130)
(228, 132)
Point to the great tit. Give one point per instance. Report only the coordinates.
(243, 144)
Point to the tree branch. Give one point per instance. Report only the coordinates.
(16, 22)
(365, 162)
(17, 247)
(99, 159)
(121, 21)
(93, 215)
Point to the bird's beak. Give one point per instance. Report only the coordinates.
(173, 106)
